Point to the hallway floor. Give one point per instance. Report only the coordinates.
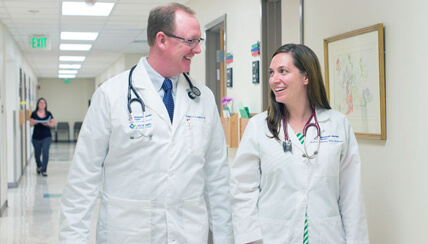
(32, 215)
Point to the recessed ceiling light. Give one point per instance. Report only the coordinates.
(67, 71)
(66, 76)
(82, 9)
(87, 36)
(72, 58)
(70, 66)
(75, 47)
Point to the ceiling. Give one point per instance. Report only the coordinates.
(123, 31)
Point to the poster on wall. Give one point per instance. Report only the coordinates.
(355, 79)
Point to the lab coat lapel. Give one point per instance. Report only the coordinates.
(182, 102)
(294, 140)
(147, 91)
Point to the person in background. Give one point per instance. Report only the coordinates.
(296, 176)
(164, 173)
(42, 120)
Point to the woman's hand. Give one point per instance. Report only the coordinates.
(33, 122)
(50, 124)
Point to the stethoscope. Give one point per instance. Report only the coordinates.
(286, 144)
(192, 92)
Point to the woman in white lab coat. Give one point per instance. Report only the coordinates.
(293, 186)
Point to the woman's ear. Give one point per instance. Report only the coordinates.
(305, 79)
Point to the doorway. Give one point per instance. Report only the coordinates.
(271, 40)
(215, 58)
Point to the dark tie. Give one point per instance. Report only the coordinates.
(167, 97)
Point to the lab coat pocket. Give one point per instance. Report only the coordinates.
(195, 219)
(275, 230)
(129, 221)
(327, 230)
(327, 162)
(196, 133)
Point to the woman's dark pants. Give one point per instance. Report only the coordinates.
(42, 146)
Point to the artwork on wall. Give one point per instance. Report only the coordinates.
(355, 79)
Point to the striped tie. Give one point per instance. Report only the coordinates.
(305, 230)
(167, 97)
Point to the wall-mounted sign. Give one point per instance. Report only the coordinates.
(256, 73)
(229, 77)
(40, 42)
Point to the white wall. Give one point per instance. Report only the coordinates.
(11, 61)
(3, 131)
(67, 102)
(243, 28)
(393, 171)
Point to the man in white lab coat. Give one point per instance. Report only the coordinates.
(165, 173)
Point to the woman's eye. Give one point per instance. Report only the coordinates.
(283, 71)
(270, 73)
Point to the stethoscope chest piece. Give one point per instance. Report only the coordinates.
(193, 92)
(286, 146)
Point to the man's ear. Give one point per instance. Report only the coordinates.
(161, 40)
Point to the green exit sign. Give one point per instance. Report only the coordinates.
(39, 42)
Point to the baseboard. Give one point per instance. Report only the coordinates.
(14, 184)
(3, 208)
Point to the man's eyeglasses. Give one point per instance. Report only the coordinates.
(191, 43)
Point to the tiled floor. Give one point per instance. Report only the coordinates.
(32, 215)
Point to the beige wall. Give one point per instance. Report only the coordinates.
(124, 62)
(67, 102)
(242, 31)
(393, 171)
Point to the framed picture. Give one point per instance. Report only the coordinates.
(355, 79)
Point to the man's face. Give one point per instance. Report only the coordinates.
(178, 51)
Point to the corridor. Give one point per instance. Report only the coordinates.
(32, 215)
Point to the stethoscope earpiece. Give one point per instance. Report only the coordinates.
(286, 146)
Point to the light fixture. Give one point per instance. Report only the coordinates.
(70, 66)
(75, 47)
(66, 76)
(83, 9)
(72, 58)
(86, 36)
(67, 71)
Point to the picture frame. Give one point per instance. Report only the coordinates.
(355, 79)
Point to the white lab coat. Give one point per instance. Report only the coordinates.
(170, 188)
(271, 190)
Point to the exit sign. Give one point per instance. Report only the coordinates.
(40, 42)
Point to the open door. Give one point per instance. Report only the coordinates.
(271, 40)
(215, 58)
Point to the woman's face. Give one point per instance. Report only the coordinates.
(42, 104)
(286, 81)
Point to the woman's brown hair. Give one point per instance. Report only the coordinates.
(307, 62)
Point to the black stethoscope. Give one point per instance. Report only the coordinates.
(286, 144)
(192, 92)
